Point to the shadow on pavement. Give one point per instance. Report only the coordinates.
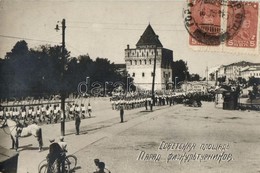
(28, 147)
(76, 168)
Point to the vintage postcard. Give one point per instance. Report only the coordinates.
(133, 86)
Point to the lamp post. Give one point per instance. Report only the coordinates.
(154, 67)
(175, 83)
(105, 93)
(88, 84)
(63, 96)
(169, 82)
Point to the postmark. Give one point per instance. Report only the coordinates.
(212, 22)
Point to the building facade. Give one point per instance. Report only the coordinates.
(235, 70)
(248, 72)
(140, 62)
(195, 86)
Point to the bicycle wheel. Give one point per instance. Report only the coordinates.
(66, 166)
(72, 161)
(43, 168)
(42, 163)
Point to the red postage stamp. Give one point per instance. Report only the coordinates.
(203, 22)
(222, 24)
(247, 34)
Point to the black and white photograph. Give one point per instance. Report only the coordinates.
(133, 86)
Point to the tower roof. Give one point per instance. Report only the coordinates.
(149, 38)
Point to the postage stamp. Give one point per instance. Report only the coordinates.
(222, 25)
(247, 35)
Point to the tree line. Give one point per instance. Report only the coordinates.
(39, 71)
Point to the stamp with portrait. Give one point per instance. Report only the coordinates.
(247, 35)
(222, 25)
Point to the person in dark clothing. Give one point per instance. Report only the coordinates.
(146, 104)
(100, 167)
(121, 109)
(77, 123)
(96, 161)
(170, 100)
(54, 154)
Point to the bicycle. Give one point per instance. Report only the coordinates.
(70, 164)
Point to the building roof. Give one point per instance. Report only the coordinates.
(251, 69)
(149, 38)
(242, 63)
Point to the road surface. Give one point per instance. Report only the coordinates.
(216, 140)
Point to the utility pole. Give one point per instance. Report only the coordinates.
(207, 77)
(175, 82)
(216, 81)
(154, 67)
(63, 94)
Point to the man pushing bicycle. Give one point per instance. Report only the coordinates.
(55, 154)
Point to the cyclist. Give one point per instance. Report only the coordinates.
(63, 146)
(55, 153)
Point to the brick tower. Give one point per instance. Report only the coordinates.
(140, 61)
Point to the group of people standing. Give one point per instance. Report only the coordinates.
(45, 113)
(141, 101)
(76, 109)
(129, 103)
(48, 113)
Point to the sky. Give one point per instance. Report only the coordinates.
(103, 28)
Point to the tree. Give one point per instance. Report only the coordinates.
(180, 70)
(49, 68)
(33, 72)
(18, 67)
(194, 77)
(20, 49)
(37, 71)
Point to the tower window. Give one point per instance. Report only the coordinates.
(133, 74)
(143, 74)
(135, 62)
(140, 62)
(150, 61)
(145, 61)
(130, 62)
(152, 74)
(147, 53)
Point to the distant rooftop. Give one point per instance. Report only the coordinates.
(243, 63)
